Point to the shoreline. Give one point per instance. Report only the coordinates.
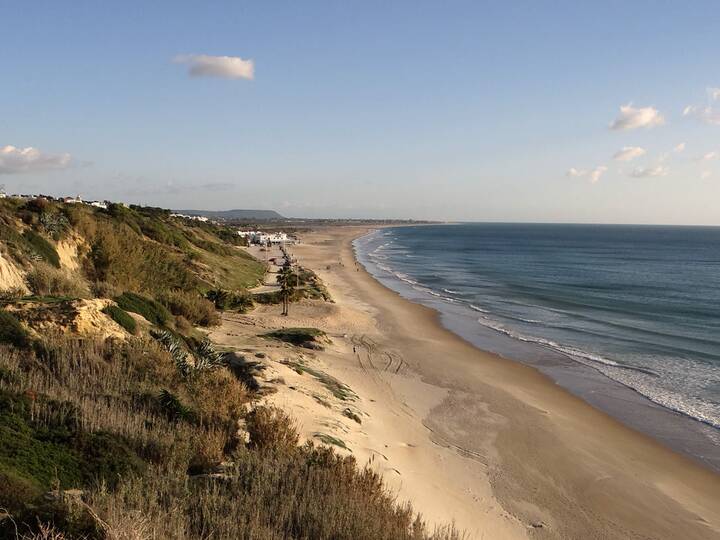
(674, 429)
(468, 437)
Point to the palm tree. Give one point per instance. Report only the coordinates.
(285, 280)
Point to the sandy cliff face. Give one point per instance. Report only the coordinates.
(67, 250)
(73, 317)
(11, 277)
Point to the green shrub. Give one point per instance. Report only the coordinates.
(240, 300)
(153, 311)
(54, 449)
(173, 407)
(42, 247)
(296, 336)
(121, 317)
(192, 307)
(12, 331)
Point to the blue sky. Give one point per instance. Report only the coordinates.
(442, 110)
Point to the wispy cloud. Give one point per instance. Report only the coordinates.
(679, 148)
(576, 173)
(597, 173)
(705, 175)
(593, 174)
(15, 160)
(628, 153)
(709, 156)
(706, 113)
(634, 118)
(648, 172)
(225, 67)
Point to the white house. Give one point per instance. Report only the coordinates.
(264, 238)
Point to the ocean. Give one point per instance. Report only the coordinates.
(627, 317)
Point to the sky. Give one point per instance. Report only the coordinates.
(603, 112)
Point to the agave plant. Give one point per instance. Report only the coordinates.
(173, 407)
(54, 223)
(207, 358)
(176, 350)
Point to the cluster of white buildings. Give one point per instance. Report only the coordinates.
(265, 238)
(66, 200)
(78, 200)
(196, 218)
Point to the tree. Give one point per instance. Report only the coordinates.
(285, 280)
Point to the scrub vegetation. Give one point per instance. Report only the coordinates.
(150, 433)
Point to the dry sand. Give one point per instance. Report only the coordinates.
(465, 435)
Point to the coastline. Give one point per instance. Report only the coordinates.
(469, 436)
(674, 428)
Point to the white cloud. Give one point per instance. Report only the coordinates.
(225, 67)
(15, 160)
(632, 118)
(597, 172)
(705, 175)
(576, 173)
(648, 172)
(707, 114)
(714, 93)
(593, 174)
(628, 153)
(709, 156)
(679, 148)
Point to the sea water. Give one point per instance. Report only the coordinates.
(639, 305)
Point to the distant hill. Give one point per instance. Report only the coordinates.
(237, 214)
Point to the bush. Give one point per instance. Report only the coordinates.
(193, 307)
(153, 311)
(240, 300)
(12, 331)
(271, 428)
(121, 317)
(53, 449)
(173, 408)
(102, 289)
(308, 493)
(296, 336)
(11, 295)
(122, 257)
(42, 247)
(44, 280)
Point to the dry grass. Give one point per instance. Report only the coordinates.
(44, 280)
(190, 305)
(271, 489)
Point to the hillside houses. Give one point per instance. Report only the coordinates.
(265, 238)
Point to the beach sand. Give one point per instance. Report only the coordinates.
(468, 437)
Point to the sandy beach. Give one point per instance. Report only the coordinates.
(468, 437)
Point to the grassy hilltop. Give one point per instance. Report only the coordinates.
(119, 419)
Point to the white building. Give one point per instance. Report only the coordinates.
(264, 238)
(196, 218)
